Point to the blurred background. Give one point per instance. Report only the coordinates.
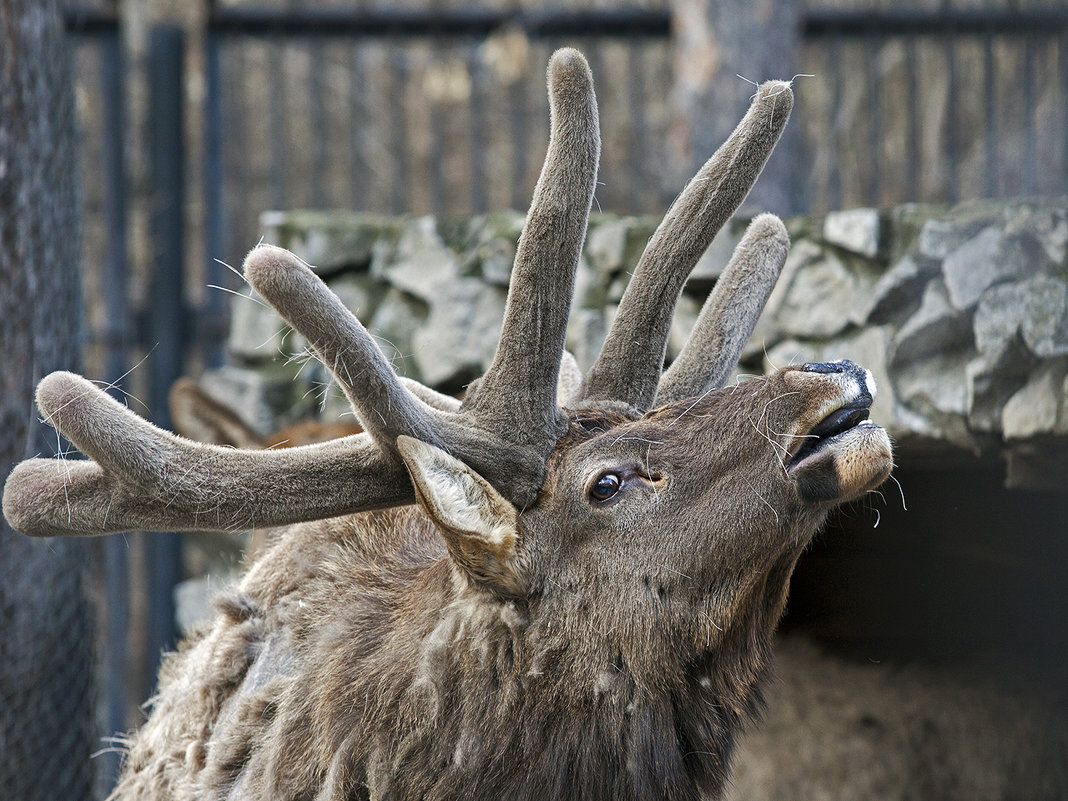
(194, 118)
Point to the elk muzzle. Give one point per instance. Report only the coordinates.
(836, 454)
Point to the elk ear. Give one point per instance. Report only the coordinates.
(479, 525)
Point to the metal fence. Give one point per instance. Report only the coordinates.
(944, 104)
(438, 110)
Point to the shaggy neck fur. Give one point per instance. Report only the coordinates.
(415, 685)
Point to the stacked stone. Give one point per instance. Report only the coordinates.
(961, 312)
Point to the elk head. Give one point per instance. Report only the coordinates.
(645, 523)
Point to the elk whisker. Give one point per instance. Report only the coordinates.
(765, 500)
(238, 294)
(774, 444)
(234, 270)
(901, 490)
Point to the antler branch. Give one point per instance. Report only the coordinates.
(519, 389)
(730, 313)
(627, 373)
(386, 409)
(145, 477)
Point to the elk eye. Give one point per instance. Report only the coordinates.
(606, 486)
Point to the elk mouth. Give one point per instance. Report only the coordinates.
(842, 419)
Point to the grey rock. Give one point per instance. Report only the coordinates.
(991, 378)
(935, 391)
(898, 292)
(459, 338)
(820, 295)
(491, 248)
(591, 287)
(941, 236)
(1047, 226)
(257, 332)
(329, 240)
(423, 266)
(1036, 309)
(359, 293)
(686, 312)
(855, 230)
(585, 335)
(393, 324)
(936, 327)
(978, 264)
(606, 246)
(260, 396)
(1045, 330)
(713, 261)
(1040, 407)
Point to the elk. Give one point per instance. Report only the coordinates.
(563, 586)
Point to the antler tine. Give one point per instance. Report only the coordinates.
(386, 409)
(147, 478)
(730, 313)
(623, 371)
(518, 392)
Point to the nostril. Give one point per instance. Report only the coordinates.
(824, 367)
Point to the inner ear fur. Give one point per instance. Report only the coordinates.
(479, 525)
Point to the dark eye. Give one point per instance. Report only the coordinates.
(606, 486)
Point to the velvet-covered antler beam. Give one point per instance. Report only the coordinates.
(628, 372)
(518, 392)
(730, 312)
(143, 477)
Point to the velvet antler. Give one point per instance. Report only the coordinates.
(629, 373)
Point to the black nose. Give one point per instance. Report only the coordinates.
(829, 367)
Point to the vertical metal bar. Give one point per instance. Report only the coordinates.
(277, 116)
(638, 156)
(438, 200)
(875, 134)
(167, 318)
(320, 128)
(398, 124)
(1062, 58)
(1028, 170)
(990, 137)
(834, 182)
(519, 112)
(213, 314)
(116, 567)
(235, 166)
(951, 141)
(478, 133)
(913, 155)
(358, 121)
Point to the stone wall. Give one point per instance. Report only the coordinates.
(961, 313)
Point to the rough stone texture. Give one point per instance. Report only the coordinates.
(256, 330)
(899, 290)
(978, 264)
(960, 312)
(855, 230)
(1041, 406)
